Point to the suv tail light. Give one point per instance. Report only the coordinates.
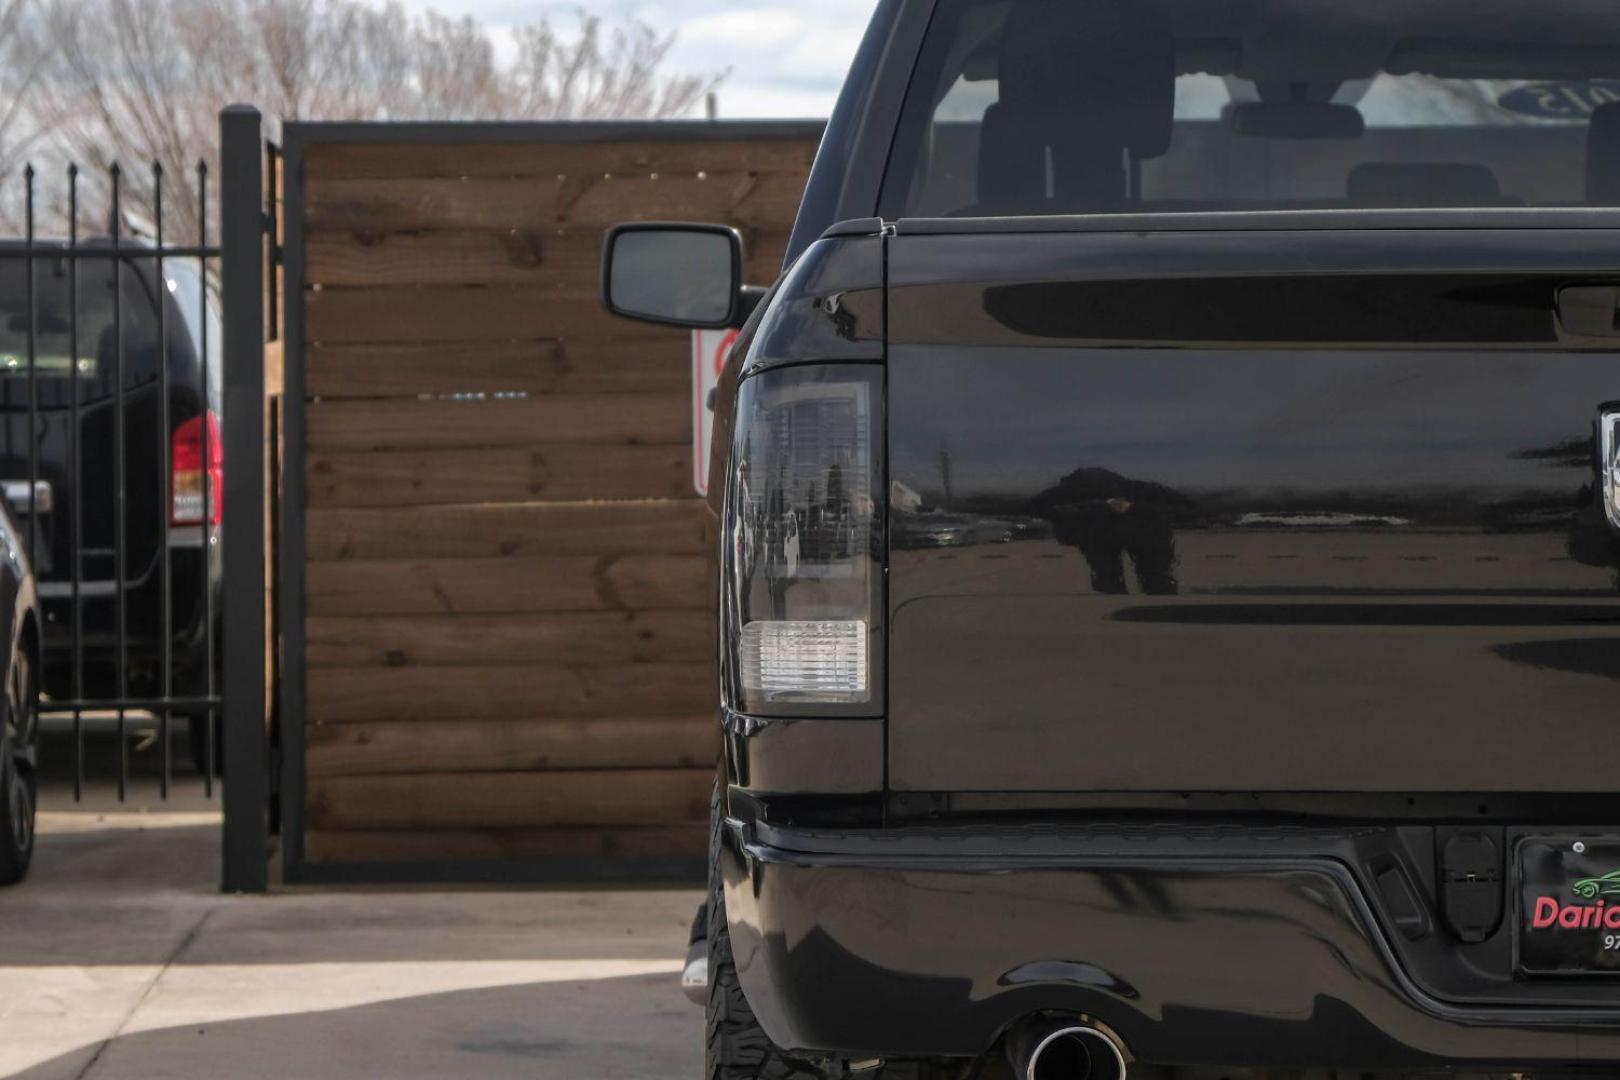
(805, 547)
(187, 472)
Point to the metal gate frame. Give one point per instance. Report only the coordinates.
(121, 252)
(242, 227)
(291, 677)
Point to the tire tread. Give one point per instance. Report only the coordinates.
(13, 863)
(735, 1046)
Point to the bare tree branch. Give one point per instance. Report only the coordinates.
(19, 71)
(141, 82)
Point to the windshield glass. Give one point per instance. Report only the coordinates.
(1138, 106)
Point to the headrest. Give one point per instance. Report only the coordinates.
(1423, 183)
(1023, 171)
(1012, 170)
(1603, 156)
(1099, 70)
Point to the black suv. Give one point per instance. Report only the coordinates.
(171, 448)
(1287, 741)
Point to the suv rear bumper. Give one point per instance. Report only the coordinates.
(1194, 949)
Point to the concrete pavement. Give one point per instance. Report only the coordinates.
(118, 960)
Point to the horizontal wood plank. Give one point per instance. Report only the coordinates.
(766, 201)
(500, 664)
(412, 845)
(511, 530)
(507, 474)
(496, 586)
(483, 257)
(656, 365)
(572, 638)
(628, 419)
(512, 745)
(354, 695)
(660, 798)
(459, 314)
(461, 257)
(446, 160)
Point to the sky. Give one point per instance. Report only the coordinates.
(784, 59)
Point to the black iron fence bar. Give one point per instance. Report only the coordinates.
(127, 254)
(210, 721)
(33, 385)
(120, 522)
(76, 441)
(165, 502)
(192, 705)
(33, 389)
(33, 382)
(242, 237)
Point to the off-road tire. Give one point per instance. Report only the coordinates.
(19, 788)
(736, 1047)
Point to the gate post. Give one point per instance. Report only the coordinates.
(246, 862)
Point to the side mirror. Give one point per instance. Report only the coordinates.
(674, 274)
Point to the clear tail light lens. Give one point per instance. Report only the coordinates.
(805, 547)
(191, 445)
(824, 660)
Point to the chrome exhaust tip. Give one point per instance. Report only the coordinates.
(1065, 1050)
(695, 975)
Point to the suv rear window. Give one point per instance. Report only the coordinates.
(91, 357)
(1134, 106)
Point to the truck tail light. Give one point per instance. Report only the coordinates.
(188, 474)
(805, 545)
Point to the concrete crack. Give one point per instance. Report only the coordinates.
(146, 993)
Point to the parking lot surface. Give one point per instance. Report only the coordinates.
(118, 960)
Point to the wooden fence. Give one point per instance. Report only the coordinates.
(507, 618)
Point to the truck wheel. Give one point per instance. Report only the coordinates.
(17, 812)
(19, 791)
(736, 1047)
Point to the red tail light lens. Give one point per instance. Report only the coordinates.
(192, 445)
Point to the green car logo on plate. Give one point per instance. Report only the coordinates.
(1593, 887)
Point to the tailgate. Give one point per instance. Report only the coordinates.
(1260, 511)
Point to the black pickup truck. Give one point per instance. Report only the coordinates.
(1281, 728)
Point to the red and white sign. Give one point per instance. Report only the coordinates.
(709, 351)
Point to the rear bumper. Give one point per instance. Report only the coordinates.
(917, 943)
(98, 637)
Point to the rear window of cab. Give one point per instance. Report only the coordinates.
(1027, 107)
